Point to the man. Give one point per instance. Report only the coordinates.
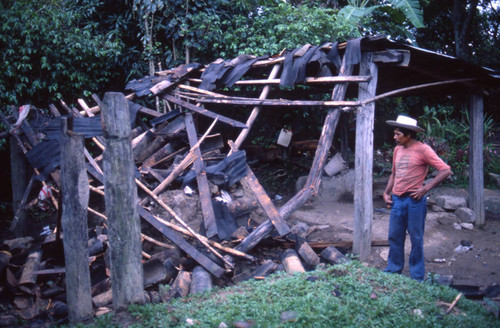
(410, 163)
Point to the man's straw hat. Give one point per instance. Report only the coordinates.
(406, 122)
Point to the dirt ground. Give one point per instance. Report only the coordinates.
(479, 266)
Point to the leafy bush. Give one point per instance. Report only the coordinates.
(51, 50)
(450, 138)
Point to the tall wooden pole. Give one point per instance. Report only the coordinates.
(476, 170)
(363, 177)
(75, 199)
(121, 203)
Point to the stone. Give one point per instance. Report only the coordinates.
(457, 226)
(465, 215)
(436, 208)
(467, 226)
(445, 218)
(451, 202)
(492, 208)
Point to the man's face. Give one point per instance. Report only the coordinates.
(400, 138)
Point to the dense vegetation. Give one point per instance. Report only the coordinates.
(349, 295)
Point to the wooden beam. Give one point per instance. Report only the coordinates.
(203, 111)
(476, 169)
(308, 80)
(277, 102)
(184, 245)
(363, 161)
(201, 177)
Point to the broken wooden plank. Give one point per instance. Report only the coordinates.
(264, 200)
(201, 177)
(190, 157)
(204, 261)
(211, 242)
(187, 227)
(203, 111)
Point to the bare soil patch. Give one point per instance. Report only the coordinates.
(479, 266)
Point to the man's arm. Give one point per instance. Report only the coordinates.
(440, 177)
(388, 190)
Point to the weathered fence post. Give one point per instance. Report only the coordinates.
(476, 161)
(363, 166)
(75, 198)
(121, 203)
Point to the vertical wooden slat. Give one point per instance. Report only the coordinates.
(121, 201)
(201, 177)
(75, 198)
(363, 177)
(476, 170)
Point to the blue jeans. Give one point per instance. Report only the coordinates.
(407, 214)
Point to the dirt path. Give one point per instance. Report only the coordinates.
(479, 266)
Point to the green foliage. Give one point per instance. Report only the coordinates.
(449, 137)
(50, 50)
(349, 295)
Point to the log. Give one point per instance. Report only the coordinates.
(75, 198)
(242, 206)
(291, 261)
(120, 199)
(180, 286)
(334, 256)
(201, 177)
(308, 255)
(28, 275)
(103, 298)
(201, 281)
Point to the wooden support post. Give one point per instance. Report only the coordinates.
(121, 200)
(75, 198)
(476, 169)
(201, 178)
(363, 177)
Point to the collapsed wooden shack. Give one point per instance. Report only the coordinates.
(174, 157)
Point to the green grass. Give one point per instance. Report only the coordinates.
(349, 295)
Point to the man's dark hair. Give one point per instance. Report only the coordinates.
(406, 132)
